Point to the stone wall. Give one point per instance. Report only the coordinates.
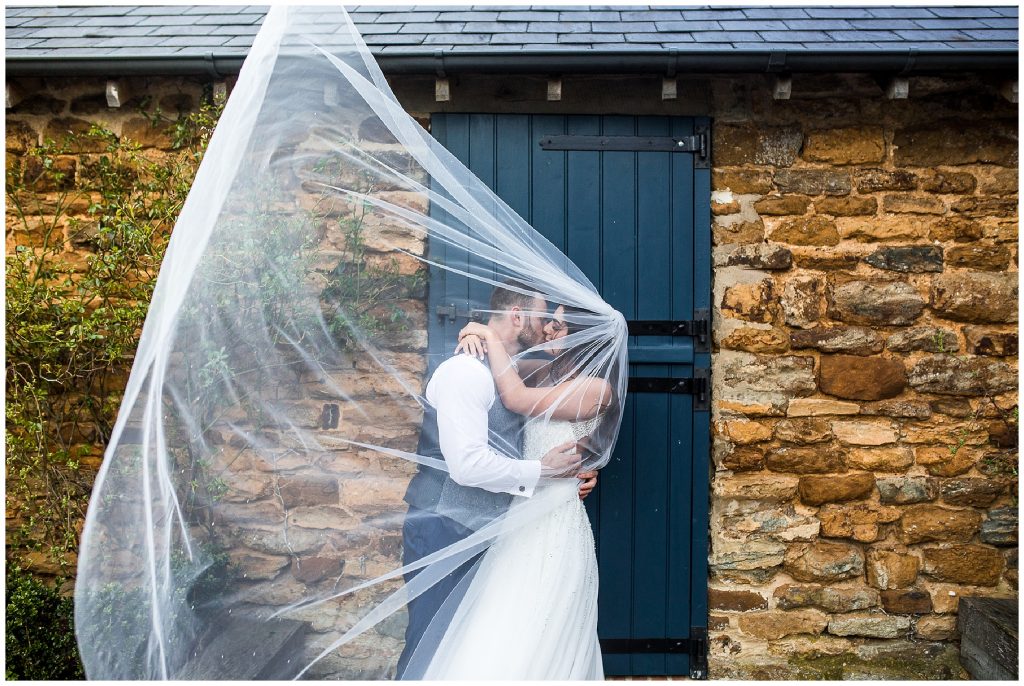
(865, 322)
(865, 300)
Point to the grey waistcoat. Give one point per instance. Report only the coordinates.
(433, 490)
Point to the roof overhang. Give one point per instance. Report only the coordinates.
(908, 61)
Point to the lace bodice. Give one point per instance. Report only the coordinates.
(542, 435)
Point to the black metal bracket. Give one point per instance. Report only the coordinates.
(695, 645)
(697, 143)
(698, 386)
(453, 312)
(699, 327)
(698, 652)
(703, 160)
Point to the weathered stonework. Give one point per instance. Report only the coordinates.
(902, 289)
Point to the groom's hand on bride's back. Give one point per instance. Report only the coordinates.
(562, 461)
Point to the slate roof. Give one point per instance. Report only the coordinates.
(227, 31)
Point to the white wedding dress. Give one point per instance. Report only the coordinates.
(530, 611)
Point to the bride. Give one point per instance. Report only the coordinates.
(542, 624)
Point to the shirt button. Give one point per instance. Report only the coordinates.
(522, 488)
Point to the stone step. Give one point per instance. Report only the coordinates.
(988, 637)
(244, 649)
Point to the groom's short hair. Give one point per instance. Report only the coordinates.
(505, 297)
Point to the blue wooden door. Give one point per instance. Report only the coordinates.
(637, 222)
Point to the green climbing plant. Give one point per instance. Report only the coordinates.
(90, 229)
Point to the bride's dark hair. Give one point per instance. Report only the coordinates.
(578, 358)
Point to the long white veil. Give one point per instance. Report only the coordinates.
(248, 514)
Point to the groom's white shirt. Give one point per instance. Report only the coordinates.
(462, 392)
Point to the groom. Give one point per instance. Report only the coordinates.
(466, 425)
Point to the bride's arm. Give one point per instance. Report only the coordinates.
(574, 400)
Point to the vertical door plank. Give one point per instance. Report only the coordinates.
(456, 287)
(482, 163)
(547, 204)
(618, 267)
(681, 494)
(583, 240)
(512, 166)
(650, 497)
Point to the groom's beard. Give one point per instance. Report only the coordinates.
(529, 337)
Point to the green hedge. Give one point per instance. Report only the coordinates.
(40, 631)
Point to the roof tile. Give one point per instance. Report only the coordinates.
(1000, 22)
(228, 19)
(495, 26)
(432, 27)
(48, 22)
(528, 16)
(97, 11)
(775, 12)
(622, 26)
(456, 39)
(841, 12)
(401, 38)
(166, 20)
(221, 9)
(159, 10)
(185, 41)
(944, 23)
(992, 34)
(467, 16)
(115, 31)
(661, 37)
(774, 46)
(775, 37)
(494, 29)
(590, 16)
(687, 25)
(753, 25)
(558, 27)
(192, 30)
(249, 30)
(21, 42)
(110, 21)
(819, 24)
(932, 34)
(842, 37)
(403, 17)
(589, 37)
(512, 38)
(58, 32)
(713, 15)
(973, 11)
(652, 15)
(888, 24)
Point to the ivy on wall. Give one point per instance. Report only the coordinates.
(92, 215)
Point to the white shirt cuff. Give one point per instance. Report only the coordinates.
(529, 478)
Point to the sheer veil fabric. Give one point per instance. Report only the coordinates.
(256, 479)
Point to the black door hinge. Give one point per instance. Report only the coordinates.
(695, 645)
(698, 386)
(697, 143)
(453, 312)
(699, 327)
